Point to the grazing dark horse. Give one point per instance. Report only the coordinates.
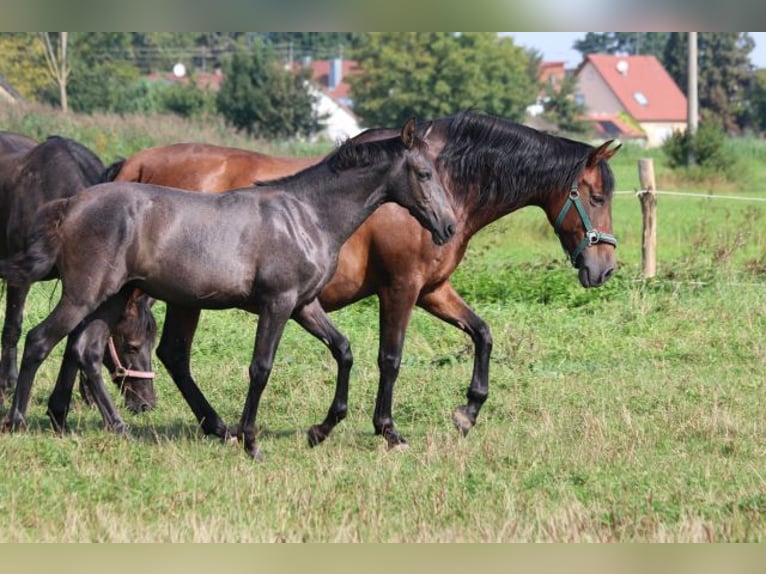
(270, 250)
(490, 168)
(30, 176)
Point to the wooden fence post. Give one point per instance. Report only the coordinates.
(648, 200)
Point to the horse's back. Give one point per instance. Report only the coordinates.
(205, 167)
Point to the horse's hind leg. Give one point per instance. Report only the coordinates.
(313, 318)
(39, 343)
(174, 351)
(14, 315)
(85, 348)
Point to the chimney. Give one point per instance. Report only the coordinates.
(335, 75)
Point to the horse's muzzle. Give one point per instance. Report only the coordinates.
(443, 235)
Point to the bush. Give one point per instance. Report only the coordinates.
(712, 155)
(186, 100)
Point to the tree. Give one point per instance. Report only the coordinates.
(55, 51)
(630, 43)
(103, 76)
(724, 73)
(22, 63)
(317, 45)
(435, 74)
(757, 101)
(264, 99)
(561, 108)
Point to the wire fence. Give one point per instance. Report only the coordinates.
(697, 195)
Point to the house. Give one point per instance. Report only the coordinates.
(332, 92)
(550, 75)
(334, 101)
(631, 97)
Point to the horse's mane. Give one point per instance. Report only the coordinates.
(509, 160)
(112, 171)
(350, 155)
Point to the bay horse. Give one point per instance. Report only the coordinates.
(31, 175)
(270, 249)
(489, 166)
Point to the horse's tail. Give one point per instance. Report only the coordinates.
(112, 171)
(37, 261)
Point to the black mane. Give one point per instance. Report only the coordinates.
(509, 160)
(350, 155)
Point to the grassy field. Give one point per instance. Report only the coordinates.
(634, 412)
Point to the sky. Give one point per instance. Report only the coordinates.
(557, 46)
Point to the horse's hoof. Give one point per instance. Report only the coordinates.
(394, 440)
(399, 447)
(462, 420)
(254, 452)
(230, 438)
(12, 423)
(58, 423)
(315, 436)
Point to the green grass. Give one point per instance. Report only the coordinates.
(633, 412)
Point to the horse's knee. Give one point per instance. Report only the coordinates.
(36, 348)
(482, 336)
(343, 354)
(11, 333)
(389, 363)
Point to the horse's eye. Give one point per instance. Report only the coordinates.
(424, 175)
(597, 199)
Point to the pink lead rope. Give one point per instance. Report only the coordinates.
(121, 372)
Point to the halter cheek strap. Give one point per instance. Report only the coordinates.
(592, 235)
(121, 372)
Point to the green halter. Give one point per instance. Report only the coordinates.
(592, 235)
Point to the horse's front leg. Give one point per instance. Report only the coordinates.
(174, 351)
(271, 325)
(39, 343)
(448, 306)
(396, 304)
(15, 297)
(85, 350)
(314, 319)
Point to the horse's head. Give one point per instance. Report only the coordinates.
(582, 218)
(416, 185)
(131, 353)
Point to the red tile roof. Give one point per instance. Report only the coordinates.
(321, 76)
(642, 85)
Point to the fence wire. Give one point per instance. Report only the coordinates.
(698, 195)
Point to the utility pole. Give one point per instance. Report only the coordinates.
(691, 100)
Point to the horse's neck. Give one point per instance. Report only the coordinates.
(477, 212)
(343, 201)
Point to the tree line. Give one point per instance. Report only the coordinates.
(428, 74)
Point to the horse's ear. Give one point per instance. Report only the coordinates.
(408, 133)
(604, 151)
(131, 307)
(427, 131)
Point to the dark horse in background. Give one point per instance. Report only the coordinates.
(490, 168)
(30, 176)
(269, 250)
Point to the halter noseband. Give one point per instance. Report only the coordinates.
(121, 372)
(592, 235)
